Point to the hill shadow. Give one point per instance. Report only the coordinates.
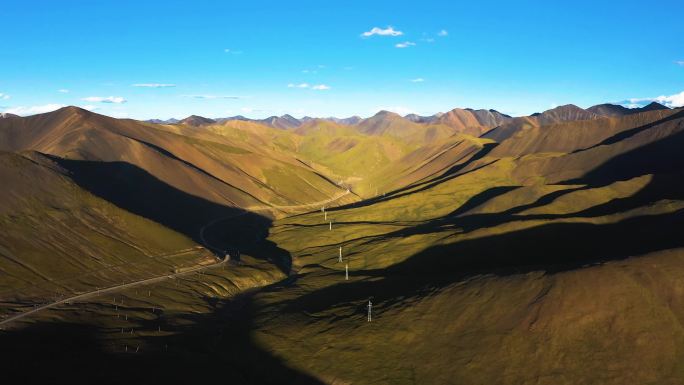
(210, 348)
(551, 248)
(137, 191)
(631, 132)
(451, 173)
(660, 157)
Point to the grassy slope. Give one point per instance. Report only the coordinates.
(487, 273)
(461, 296)
(58, 239)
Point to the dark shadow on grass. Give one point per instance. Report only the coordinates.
(634, 131)
(481, 198)
(416, 188)
(551, 248)
(211, 348)
(137, 191)
(660, 157)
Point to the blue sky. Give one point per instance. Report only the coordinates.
(149, 59)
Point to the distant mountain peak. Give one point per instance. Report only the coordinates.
(385, 113)
(196, 120)
(653, 106)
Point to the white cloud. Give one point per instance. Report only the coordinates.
(248, 110)
(90, 107)
(443, 32)
(105, 99)
(417, 80)
(234, 52)
(679, 62)
(676, 100)
(63, 91)
(319, 87)
(428, 40)
(389, 31)
(405, 44)
(211, 96)
(32, 110)
(397, 110)
(153, 85)
(4, 96)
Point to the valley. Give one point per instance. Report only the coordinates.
(484, 241)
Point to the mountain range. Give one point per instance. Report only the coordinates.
(491, 249)
(468, 121)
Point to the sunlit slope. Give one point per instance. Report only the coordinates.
(370, 162)
(209, 166)
(565, 137)
(534, 328)
(58, 239)
(567, 112)
(482, 268)
(473, 122)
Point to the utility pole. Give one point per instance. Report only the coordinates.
(370, 307)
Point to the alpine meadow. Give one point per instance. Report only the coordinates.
(362, 193)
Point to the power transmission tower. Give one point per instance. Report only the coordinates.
(370, 308)
(340, 259)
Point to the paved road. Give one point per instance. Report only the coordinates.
(110, 289)
(98, 292)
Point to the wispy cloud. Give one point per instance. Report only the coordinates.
(32, 110)
(405, 44)
(232, 51)
(679, 62)
(313, 70)
(153, 85)
(443, 33)
(105, 99)
(417, 80)
(249, 110)
(676, 100)
(389, 31)
(318, 87)
(4, 96)
(63, 91)
(212, 97)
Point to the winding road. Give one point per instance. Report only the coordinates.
(148, 281)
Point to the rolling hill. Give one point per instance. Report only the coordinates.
(542, 249)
